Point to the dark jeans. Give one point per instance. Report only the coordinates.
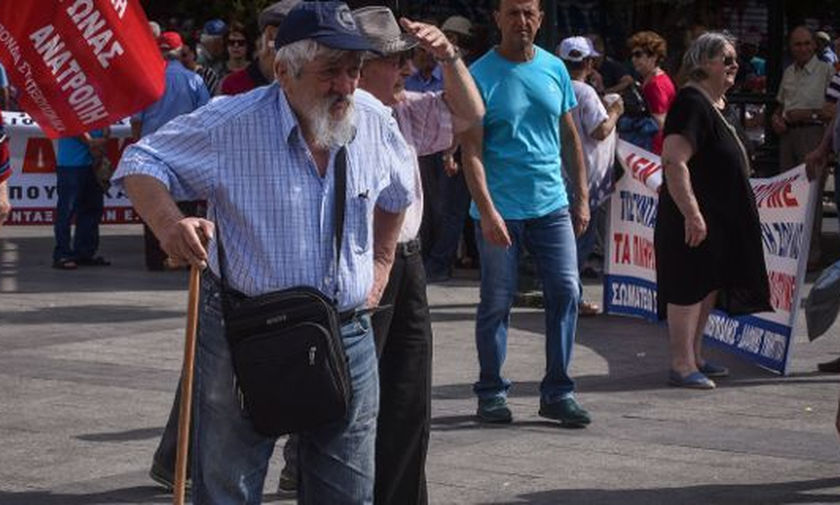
(454, 199)
(403, 337)
(431, 174)
(79, 196)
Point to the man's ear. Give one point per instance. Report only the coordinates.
(281, 72)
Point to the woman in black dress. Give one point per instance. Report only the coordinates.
(707, 237)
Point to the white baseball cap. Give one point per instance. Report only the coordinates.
(577, 49)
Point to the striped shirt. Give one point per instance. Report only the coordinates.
(426, 123)
(246, 156)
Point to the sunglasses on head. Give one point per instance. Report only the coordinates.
(236, 42)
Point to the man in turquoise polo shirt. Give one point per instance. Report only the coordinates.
(513, 164)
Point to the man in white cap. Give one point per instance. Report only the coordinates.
(824, 50)
(596, 127)
(458, 30)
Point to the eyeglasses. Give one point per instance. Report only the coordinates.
(728, 61)
(398, 60)
(237, 42)
(638, 54)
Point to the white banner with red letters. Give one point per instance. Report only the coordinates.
(785, 206)
(32, 186)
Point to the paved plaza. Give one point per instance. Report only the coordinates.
(89, 361)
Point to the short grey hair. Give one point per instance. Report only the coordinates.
(297, 54)
(707, 46)
(173, 54)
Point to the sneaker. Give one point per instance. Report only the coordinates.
(287, 484)
(165, 478)
(568, 411)
(494, 410)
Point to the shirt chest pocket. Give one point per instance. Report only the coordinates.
(359, 213)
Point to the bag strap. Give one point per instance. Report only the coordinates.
(340, 203)
(340, 166)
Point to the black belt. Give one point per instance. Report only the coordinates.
(408, 248)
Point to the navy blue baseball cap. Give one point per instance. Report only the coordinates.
(328, 23)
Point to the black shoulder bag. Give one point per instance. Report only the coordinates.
(291, 369)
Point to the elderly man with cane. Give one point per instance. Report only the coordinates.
(269, 162)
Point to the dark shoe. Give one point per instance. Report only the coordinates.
(494, 410)
(287, 484)
(568, 411)
(96, 261)
(65, 264)
(694, 380)
(165, 477)
(710, 369)
(832, 366)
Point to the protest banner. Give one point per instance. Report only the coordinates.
(785, 206)
(80, 65)
(32, 187)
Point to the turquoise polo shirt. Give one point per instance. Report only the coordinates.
(524, 102)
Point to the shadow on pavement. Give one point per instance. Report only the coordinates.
(636, 353)
(26, 267)
(122, 436)
(795, 492)
(89, 314)
(138, 494)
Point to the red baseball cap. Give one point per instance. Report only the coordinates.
(169, 41)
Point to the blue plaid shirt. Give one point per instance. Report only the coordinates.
(246, 156)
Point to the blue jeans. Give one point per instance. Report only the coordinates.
(81, 196)
(551, 241)
(230, 459)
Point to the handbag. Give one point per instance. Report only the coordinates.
(288, 357)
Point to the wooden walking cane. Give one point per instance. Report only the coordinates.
(184, 415)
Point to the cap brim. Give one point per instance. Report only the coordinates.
(347, 42)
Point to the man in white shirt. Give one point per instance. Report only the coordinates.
(596, 127)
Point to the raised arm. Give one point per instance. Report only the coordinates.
(460, 91)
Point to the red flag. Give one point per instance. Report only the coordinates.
(80, 64)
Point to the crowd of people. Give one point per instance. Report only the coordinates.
(450, 152)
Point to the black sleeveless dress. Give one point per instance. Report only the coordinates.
(731, 258)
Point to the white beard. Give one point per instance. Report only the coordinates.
(326, 131)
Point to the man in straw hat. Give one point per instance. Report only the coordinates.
(403, 332)
(265, 163)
